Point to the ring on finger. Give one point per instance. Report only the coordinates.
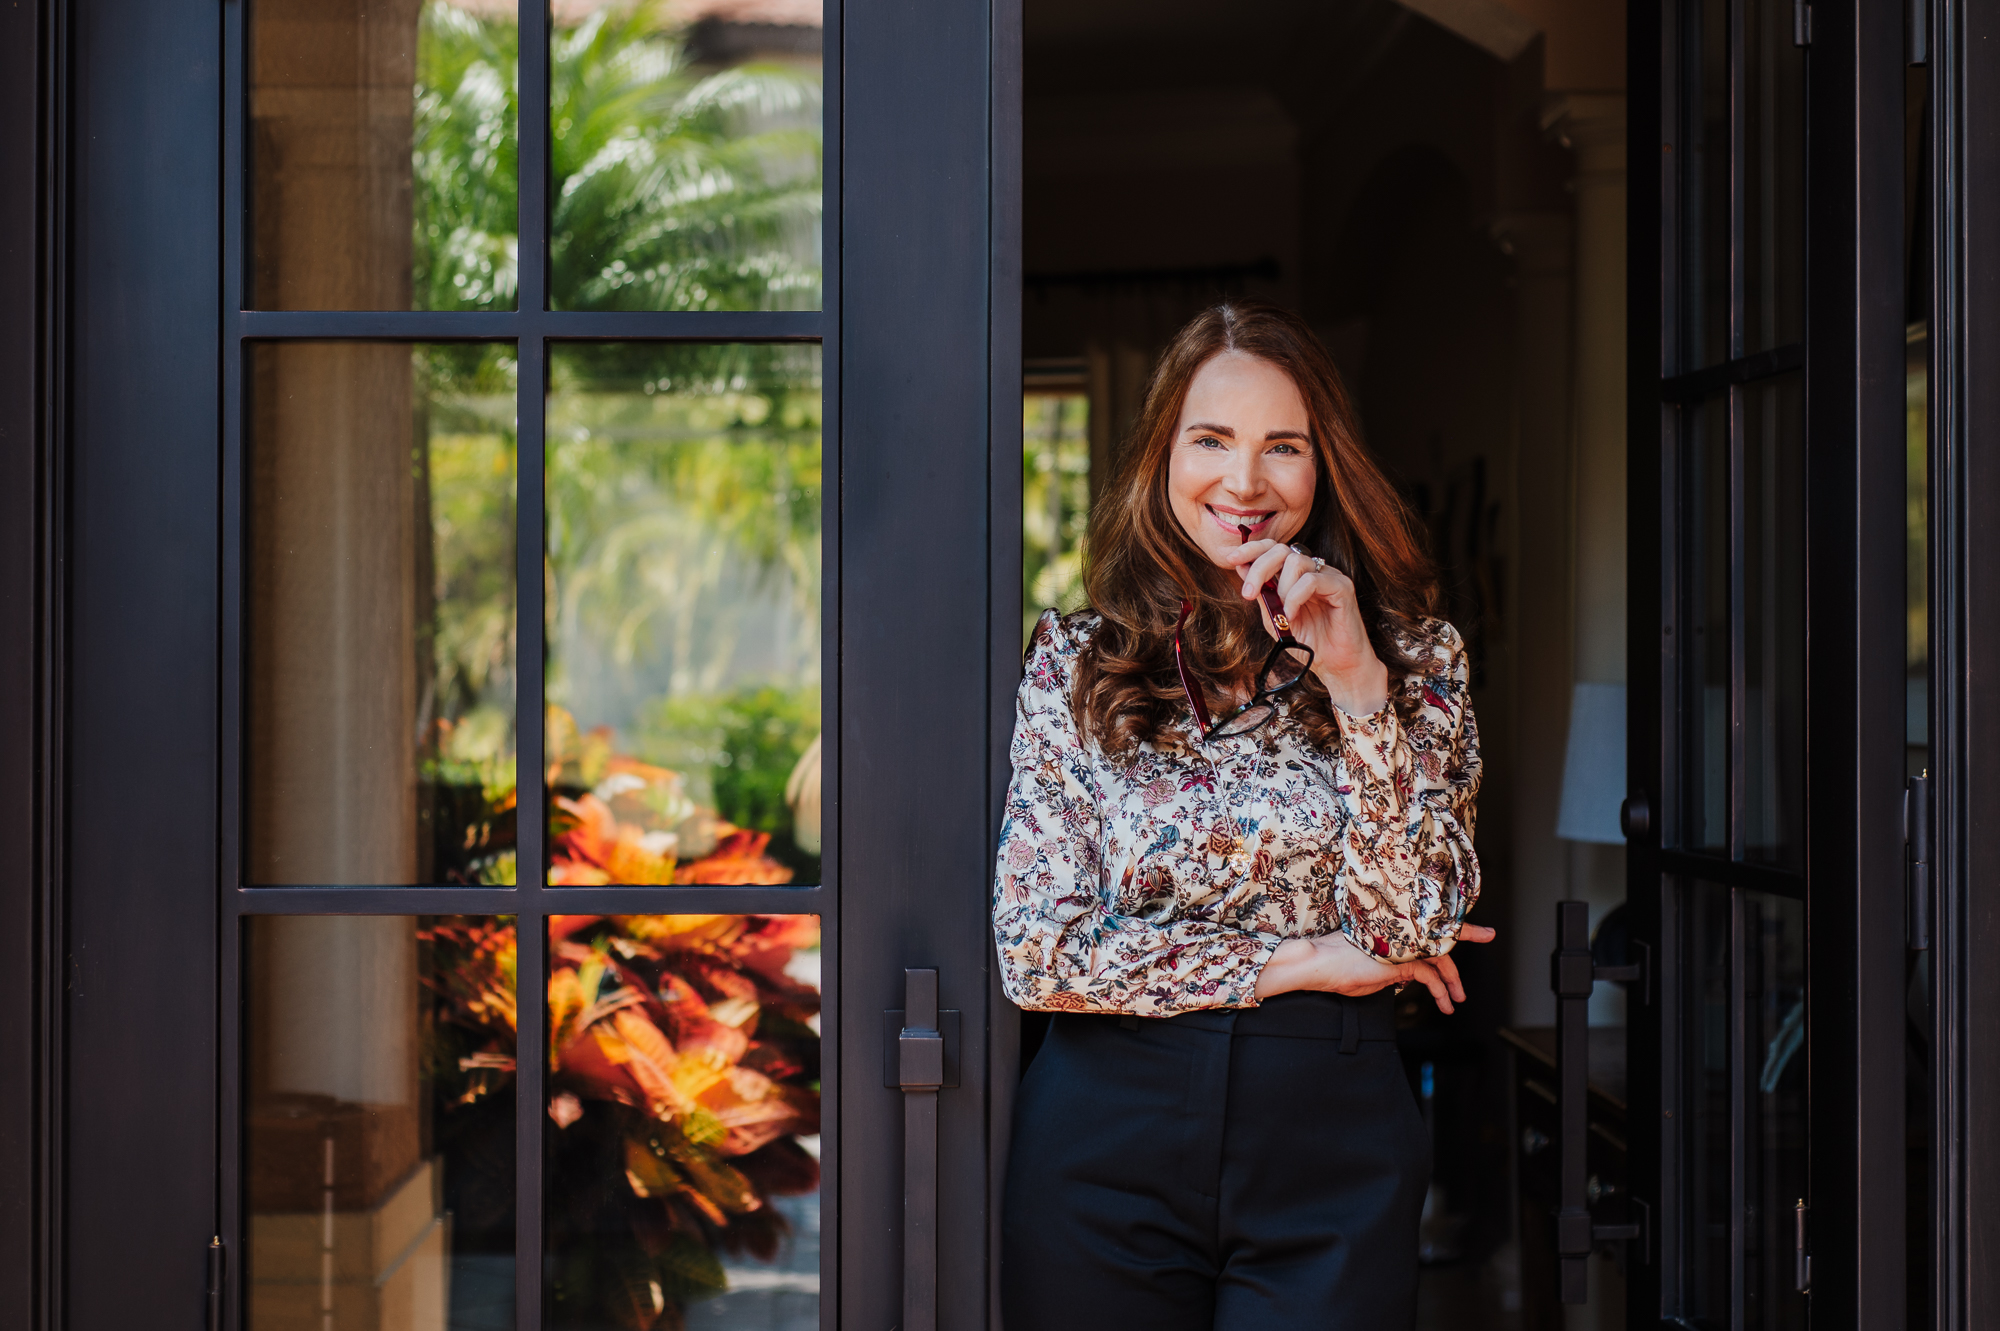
(1298, 549)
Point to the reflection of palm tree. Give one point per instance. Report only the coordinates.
(676, 190)
(465, 161)
(673, 188)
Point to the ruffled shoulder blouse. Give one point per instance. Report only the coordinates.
(1161, 880)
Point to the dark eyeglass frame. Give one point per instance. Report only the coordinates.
(1264, 700)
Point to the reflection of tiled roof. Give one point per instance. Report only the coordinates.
(777, 13)
(763, 12)
(770, 13)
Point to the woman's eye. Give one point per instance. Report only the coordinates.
(1286, 448)
(1208, 441)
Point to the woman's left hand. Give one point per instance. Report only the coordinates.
(1325, 614)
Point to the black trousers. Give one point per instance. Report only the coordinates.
(1260, 1170)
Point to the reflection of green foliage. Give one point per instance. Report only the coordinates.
(673, 187)
(1055, 502)
(677, 189)
(701, 462)
(465, 464)
(467, 396)
(464, 157)
(750, 739)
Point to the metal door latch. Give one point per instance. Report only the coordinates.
(1573, 975)
(920, 1073)
(1917, 870)
(1801, 1259)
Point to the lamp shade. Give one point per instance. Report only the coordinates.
(1594, 765)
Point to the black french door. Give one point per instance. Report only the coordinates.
(1767, 636)
(538, 563)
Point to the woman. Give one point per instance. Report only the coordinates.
(1241, 815)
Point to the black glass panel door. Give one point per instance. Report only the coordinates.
(524, 879)
(1721, 866)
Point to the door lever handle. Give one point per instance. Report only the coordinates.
(1573, 975)
(920, 1074)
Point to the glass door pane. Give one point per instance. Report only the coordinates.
(1743, 1121)
(687, 149)
(379, 615)
(683, 614)
(1774, 622)
(1705, 652)
(1772, 257)
(379, 1123)
(1055, 501)
(683, 1147)
(382, 151)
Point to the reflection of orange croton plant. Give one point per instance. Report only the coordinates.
(633, 822)
(683, 1070)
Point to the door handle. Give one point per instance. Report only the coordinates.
(920, 1069)
(1573, 974)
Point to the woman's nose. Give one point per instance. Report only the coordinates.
(1245, 476)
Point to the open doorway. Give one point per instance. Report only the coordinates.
(1438, 186)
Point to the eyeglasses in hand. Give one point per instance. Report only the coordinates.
(1283, 669)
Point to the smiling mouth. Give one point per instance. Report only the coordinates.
(1230, 521)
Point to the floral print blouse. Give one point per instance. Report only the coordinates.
(1161, 880)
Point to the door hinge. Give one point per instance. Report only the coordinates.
(1801, 1259)
(215, 1283)
(1917, 861)
(1801, 23)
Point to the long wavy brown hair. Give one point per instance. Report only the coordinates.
(1141, 563)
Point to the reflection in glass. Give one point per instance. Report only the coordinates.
(1705, 653)
(379, 1137)
(1055, 502)
(683, 629)
(1774, 169)
(382, 154)
(1705, 1148)
(1916, 553)
(1705, 181)
(1774, 622)
(1745, 1033)
(379, 620)
(686, 160)
(683, 1148)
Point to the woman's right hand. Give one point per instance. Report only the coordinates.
(1333, 964)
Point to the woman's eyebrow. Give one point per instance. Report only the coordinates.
(1299, 435)
(1209, 429)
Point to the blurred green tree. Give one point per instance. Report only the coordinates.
(675, 186)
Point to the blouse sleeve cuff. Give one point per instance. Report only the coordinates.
(1377, 757)
(1253, 971)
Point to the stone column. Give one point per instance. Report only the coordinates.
(332, 616)
(344, 1227)
(1539, 244)
(1593, 126)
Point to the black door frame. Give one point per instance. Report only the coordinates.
(135, 715)
(1855, 598)
(1964, 212)
(30, 297)
(1854, 604)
